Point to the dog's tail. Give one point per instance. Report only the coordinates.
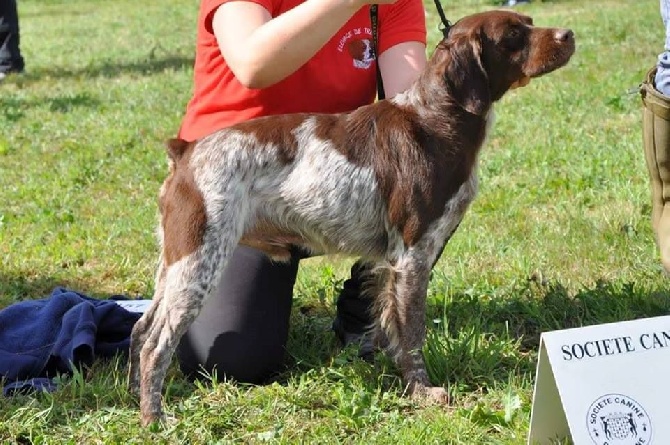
(176, 148)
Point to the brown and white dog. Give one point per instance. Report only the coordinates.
(388, 182)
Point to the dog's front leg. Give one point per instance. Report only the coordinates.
(406, 327)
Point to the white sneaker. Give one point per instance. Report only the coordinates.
(2, 76)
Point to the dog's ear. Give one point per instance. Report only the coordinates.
(466, 76)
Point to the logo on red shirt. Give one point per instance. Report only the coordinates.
(358, 46)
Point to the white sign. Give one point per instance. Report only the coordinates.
(604, 385)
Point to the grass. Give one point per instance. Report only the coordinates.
(558, 237)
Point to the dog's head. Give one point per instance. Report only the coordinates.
(486, 54)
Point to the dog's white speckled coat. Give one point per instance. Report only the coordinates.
(389, 182)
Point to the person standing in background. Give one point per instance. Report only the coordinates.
(11, 60)
(655, 91)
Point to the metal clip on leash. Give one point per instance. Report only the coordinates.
(446, 23)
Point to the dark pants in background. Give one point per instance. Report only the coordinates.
(10, 54)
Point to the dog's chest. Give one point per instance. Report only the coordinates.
(440, 189)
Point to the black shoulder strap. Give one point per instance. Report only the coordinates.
(373, 21)
(446, 25)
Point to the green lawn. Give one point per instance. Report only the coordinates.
(558, 237)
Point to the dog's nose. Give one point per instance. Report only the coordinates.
(564, 35)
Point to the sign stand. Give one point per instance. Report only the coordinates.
(603, 385)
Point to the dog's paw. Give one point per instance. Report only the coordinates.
(153, 420)
(431, 395)
(151, 412)
(438, 395)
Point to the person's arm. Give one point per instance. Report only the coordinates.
(401, 65)
(261, 50)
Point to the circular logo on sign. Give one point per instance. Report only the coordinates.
(615, 419)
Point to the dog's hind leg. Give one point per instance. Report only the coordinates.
(401, 311)
(188, 283)
(142, 329)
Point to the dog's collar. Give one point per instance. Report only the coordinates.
(445, 22)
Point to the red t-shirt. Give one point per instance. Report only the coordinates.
(340, 77)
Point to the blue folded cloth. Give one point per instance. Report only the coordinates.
(42, 338)
(31, 385)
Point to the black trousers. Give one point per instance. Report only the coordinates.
(242, 330)
(10, 54)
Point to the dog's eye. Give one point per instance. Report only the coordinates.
(513, 33)
(514, 39)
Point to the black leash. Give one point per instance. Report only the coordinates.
(373, 21)
(446, 25)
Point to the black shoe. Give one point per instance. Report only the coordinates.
(366, 348)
